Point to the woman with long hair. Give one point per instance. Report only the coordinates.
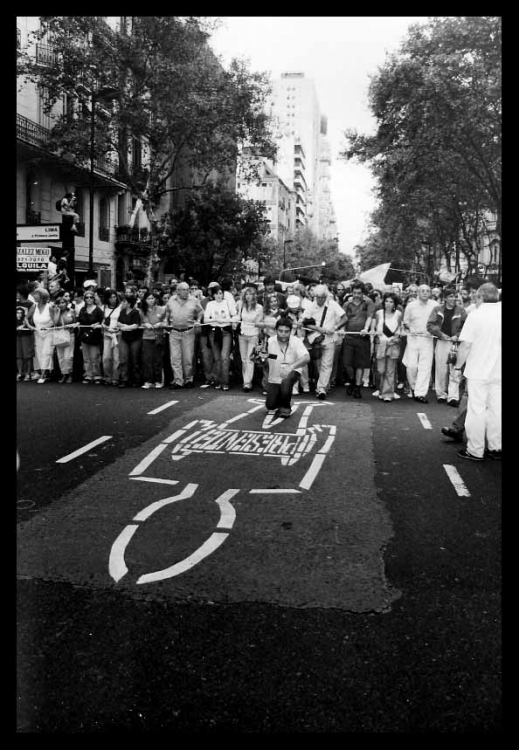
(220, 317)
(153, 316)
(250, 318)
(387, 324)
(130, 344)
(111, 337)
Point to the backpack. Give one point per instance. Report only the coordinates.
(58, 205)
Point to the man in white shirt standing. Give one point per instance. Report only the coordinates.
(328, 316)
(480, 351)
(419, 352)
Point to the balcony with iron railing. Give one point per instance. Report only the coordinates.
(134, 235)
(46, 55)
(31, 132)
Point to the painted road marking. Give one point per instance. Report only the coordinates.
(154, 479)
(117, 565)
(164, 406)
(425, 422)
(84, 449)
(457, 481)
(274, 492)
(148, 460)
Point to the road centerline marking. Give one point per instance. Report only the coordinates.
(84, 449)
(164, 406)
(457, 481)
(425, 422)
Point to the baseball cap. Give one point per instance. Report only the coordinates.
(293, 301)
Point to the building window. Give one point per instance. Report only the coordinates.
(104, 220)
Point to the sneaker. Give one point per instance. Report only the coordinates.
(410, 394)
(68, 379)
(400, 386)
(147, 385)
(453, 434)
(20, 376)
(247, 388)
(264, 393)
(421, 399)
(85, 381)
(463, 453)
(271, 413)
(306, 390)
(27, 378)
(295, 391)
(159, 385)
(321, 395)
(356, 392)
(98, 382)
(41, 380)
(376, 393)
(387, 400)
(35, 376)
(62, 379)
(225, 387)
(495, 455)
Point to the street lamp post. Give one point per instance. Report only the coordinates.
(285, 243)
(91, 187)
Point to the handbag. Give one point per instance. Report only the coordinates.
(315, 347)
(61, 337)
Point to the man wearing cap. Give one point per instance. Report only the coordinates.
(328, 317)
(183, 312)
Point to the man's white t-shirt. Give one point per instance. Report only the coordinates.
(281, 358)
(482, 329)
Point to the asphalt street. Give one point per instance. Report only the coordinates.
(201, 569)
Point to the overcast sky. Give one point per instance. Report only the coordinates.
(339, 54)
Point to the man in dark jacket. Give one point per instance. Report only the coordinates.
(445, 323)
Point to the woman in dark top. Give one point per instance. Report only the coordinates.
(91, 338)
(130, 345)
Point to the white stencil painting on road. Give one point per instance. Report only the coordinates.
(212, 438)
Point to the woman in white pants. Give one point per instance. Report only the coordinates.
(250, 318)
(42, 321)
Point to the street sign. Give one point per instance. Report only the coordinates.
(42, 232)
(32, 258)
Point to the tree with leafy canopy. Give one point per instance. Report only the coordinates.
(213, 233)
(436, 152)
(158, 82)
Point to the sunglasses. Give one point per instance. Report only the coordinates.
(89, 296)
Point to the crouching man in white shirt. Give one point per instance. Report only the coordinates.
(287, 355)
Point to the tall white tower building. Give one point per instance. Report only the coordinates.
(303, 156)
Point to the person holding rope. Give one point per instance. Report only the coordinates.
(183, 312)
(419, 352)
(328, 316)
(356, 347)
(130, 343)
(90, 319)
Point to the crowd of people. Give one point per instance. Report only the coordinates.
(401, 342)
